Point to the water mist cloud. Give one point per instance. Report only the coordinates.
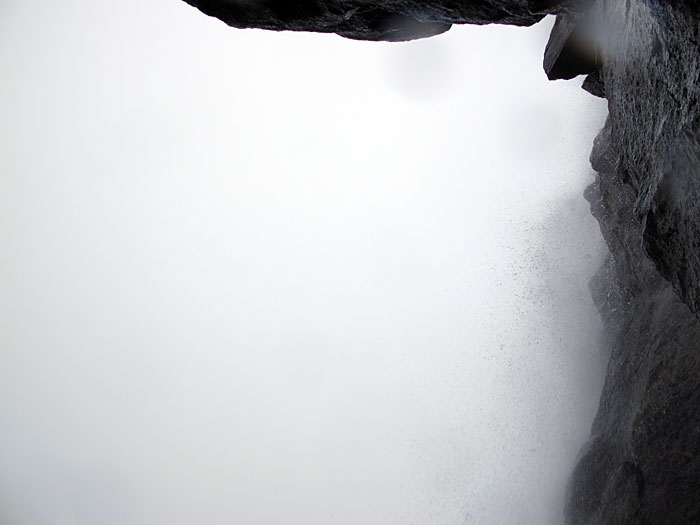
(245, 281)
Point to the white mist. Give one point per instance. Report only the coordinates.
(265, 278)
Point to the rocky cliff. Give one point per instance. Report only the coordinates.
(642, 462)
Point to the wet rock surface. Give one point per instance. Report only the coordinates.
(642, 463)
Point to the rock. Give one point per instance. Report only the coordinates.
(571, 49)
(393, 20)
(642, 464)
(594, 84)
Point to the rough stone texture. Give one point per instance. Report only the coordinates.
(392, 20)
(642, 463)
(651, 76)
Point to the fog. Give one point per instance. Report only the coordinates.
(274, 278)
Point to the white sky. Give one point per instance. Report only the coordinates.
(262, 278)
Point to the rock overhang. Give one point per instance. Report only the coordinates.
(389, 20)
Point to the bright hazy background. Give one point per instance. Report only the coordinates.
(259, 278)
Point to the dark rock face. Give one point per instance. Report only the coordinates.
(651, 77)
(642, 463)
(571, 50)
(593, 83)
(392, 20)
